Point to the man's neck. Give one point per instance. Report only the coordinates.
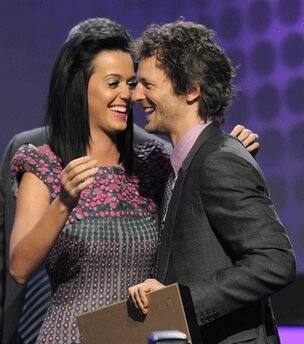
(182, 126)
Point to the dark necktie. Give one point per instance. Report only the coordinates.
(167, 196)
(163, 209)
(36, 301)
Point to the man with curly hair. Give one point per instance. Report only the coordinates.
(221, 234)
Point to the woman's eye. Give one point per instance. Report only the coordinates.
(113, 84)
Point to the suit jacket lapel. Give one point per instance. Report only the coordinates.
(212, 130)
(166, 237)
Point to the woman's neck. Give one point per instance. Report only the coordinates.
(103, 148)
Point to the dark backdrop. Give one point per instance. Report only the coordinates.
(265, 41)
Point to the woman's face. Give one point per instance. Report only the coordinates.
(109, 91)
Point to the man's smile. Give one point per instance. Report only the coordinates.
(148, 109)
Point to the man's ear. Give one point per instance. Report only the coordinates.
(193, 94)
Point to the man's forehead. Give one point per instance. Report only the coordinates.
(147, 62)
(149, 66)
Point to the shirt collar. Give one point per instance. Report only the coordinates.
(184, 145)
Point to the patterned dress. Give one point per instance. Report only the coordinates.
(109, 241)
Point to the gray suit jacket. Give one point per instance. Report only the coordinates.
(12, 293)
(224, 240)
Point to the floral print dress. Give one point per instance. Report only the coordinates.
(109, 241)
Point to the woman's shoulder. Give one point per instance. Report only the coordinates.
(151, 149)
(152, 161)
(40, 161)
(35, 155)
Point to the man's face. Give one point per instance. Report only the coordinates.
(155, 93)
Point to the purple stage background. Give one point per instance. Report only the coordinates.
(264, 39)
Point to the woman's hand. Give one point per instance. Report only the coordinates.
(76, 176)
(249, 139)
(138, 293)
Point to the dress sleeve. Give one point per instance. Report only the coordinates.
(153, 163)
(40, 161)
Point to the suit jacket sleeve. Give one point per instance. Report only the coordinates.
(14, 292)
(4, 172)
(243, 218)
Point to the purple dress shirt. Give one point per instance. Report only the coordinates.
(184, 145)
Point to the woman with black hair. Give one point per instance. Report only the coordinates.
(87, 203)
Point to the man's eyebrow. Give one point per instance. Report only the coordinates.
(145, 81)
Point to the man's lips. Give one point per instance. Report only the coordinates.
(148, 109)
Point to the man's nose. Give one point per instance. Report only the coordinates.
(138, 93)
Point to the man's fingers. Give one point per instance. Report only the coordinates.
(143, 296)
(237, 130)
(132, 296)
(243, 135)
(138, 297)
(250, 139)
(254, 148)
(138, 293)
(139, 301)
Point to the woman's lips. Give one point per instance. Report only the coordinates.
(121, 116)
(121, 112)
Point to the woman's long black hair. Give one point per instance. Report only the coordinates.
(67, 118)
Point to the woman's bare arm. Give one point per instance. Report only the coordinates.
(37, 222)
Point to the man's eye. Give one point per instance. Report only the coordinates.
(147, 85)
(132, 84)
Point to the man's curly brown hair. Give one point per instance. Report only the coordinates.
(188, 54)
